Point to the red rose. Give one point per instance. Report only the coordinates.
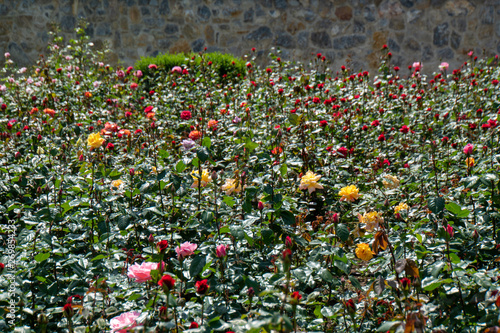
(202, 287)
(186, 115)
(68, 310)
(162, 245)
(167, 283)
(194, 325)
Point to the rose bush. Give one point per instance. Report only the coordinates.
(350, 201)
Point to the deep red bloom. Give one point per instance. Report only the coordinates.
(194, 325)
(162, 245)
(404, 129)
(323, 123)
(342, 151)
(405, 283)
(167, 282)
(202, 287)
(381, 137)
(68, 310)
(186, 115)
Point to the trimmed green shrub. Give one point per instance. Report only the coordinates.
(223, 64)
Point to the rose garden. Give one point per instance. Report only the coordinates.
(222, 196)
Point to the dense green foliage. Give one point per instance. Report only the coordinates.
(326, 203)
(226, 66)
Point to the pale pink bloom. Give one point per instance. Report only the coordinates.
(68, 58)
(177, 69)
(417, 66)
(152, 66)
(29, 80)
(186, 249)
(221, 251)
(2, 87)
(138, 74)
(444, 66)
(120, 73)
(471, 53)
(468, 149)
(96, 84)
(124, 322)
(23, 70)
(7, 54)
(101, 64)
(141, 273)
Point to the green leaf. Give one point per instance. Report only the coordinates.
(250, 145)
(197, 265)
(342, 231)
(430, 283)
(207, 216)
(180, 166)
(355, 282)
(454, 258)
(283, 170)
(436, 205)
(326, 275)
(457, 210)
(342, 266)
(99, 257)
(42, 256)
(229, 201)
(202, 154)
(287, 217)
(267, 236)
(206, 142)
(327, 312)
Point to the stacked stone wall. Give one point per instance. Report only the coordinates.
(349, 32)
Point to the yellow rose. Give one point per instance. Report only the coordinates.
(349, 193)
(231, 185)
(400, 207)
(205, 178)
(117, 183)
(390, 182)
(364, 252)
(470, 162)
(310, 182)
(95, 140)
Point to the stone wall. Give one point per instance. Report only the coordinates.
(353, 31)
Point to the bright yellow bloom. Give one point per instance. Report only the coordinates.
(364, 252)
(470, 162)
(349, 193)
(117, 183)
(372, 220)
(95, 140)
(400, 207)
(205, 178)
(390, 182)
(310, 182)
(231, 185)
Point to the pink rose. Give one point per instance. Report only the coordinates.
(141, 273)
(186, 249)
(221, 251)
(468, 149)
(177, 69)
(444, 66)
(417, 66)
(124, 322)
